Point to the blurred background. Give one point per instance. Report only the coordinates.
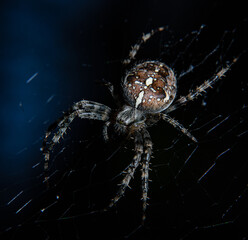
(54, 53)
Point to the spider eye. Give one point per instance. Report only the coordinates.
(150, 86)
(120, 121)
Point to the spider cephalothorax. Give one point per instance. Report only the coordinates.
(149, 90)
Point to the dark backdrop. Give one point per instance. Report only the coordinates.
(54, 53)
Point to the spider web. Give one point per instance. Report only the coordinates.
(196, 189)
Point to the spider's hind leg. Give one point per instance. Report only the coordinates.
(130, 170)
(134, 50)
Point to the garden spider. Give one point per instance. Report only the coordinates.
(149, 90)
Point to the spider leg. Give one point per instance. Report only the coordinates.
(105, 131)
(130, 170)
(112, 91)
(145, 170)
(177, 125)
(134, 50)
(82, 109)
(199, 90)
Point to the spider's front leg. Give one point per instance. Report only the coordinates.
(130, 170)
(82, 109)
(145, 170)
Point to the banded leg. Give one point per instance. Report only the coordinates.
(134, 50)
(82, 109)
(145, 170)
(202, 88)
(105, 131)
(129, 173)
(179, 126)
(87, 106)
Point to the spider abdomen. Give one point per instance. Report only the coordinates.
(150, 86)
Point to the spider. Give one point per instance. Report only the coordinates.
(149, 92)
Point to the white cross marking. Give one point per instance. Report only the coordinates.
(149, 81)
(139, 99)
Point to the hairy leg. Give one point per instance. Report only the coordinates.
(82, 109)
(177, 125)
(145, 170)
(105, 131)
(129, 172)
(199, 90)
(134, 50)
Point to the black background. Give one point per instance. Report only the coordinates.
(71, 46)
